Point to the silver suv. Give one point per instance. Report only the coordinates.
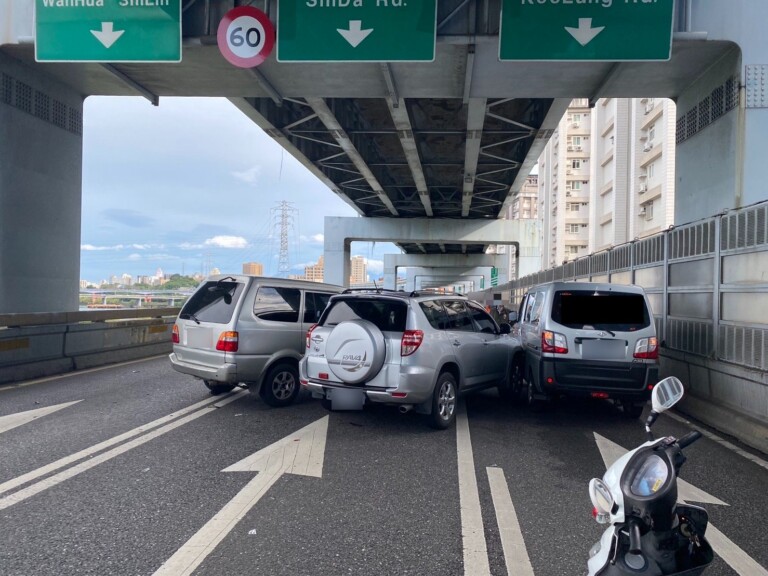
(415, 350)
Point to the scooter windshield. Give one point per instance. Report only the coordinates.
(651, 477)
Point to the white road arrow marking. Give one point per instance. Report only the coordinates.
(107, 35)
(299, 453)
(355, 34)
(584, 34)
(14, 420)
(734, 556)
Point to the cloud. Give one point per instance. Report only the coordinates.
(249, 176)
(227, 242)
(134, 257)
(131, 218)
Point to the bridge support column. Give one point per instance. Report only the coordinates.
(340, 232)
(41, 158)
(723, 117)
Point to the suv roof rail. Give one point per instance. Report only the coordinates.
(374, 290)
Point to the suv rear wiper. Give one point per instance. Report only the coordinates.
(190, 316)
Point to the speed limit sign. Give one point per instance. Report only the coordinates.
(245, 36)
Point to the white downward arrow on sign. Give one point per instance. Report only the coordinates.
(107, 35)
(355, 34)
(302, 453)
(584, 33)
(734, 556)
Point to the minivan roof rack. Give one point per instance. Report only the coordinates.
(374, 290)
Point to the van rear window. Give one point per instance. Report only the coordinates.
(600, 310)
(212, 302)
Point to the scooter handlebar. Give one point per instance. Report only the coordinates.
(689, 439)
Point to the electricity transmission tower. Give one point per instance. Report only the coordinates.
(282, 217)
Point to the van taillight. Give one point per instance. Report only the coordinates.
(410, 342)
(309, 334)
(175, 334)
(227, 342)
(647, 349)
(553, 342)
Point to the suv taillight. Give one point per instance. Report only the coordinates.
(227, 342)
(647, 349)
(309, 334)
(553, 342)
(410, 342)
(175, 334)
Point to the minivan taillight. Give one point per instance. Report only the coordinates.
(227, 342)
(175, 334)
(553, 342)
(647, 349)
(309, 334)
(410, 342)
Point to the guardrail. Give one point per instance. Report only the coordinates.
(36, 345)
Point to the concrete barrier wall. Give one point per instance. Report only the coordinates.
(38, 345)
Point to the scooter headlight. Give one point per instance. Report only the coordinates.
(602, 499)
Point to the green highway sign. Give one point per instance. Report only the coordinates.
(108, 30)
(589, 30)
(356, 30)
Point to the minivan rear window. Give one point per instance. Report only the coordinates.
(212, 302)
(600, 310)
(387, 315)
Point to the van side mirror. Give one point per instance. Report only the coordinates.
(513, 317)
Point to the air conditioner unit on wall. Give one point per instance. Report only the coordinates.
(641, 212)
(570, 148)
(577, 148)
(575, 125)
(648, 147)
(643, 188)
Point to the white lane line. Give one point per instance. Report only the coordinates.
(20, 418)
(512, 542)
(52, 481)
(735, 557)
(67, 460)
(724, 443)
(472, 531)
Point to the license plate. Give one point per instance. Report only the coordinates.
(603, 349)
(346, 399)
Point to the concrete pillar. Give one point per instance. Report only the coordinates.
(341, 232)
(720, 164)
(41, 158)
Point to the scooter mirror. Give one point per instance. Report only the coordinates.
(666, 394)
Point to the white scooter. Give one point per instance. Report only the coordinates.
(649, 533)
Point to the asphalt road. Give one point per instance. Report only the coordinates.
(128, 477)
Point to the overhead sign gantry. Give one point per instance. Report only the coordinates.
(107, 31)
(586, 30)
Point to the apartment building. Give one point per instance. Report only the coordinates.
(359, 271)
(606, 176)
(253, 268)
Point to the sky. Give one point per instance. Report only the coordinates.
(191, 185)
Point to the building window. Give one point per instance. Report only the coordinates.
(651, 132)
(651, 169)
(576, 163)
(576, 185)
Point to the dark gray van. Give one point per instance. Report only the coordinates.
(248, 330)
(588, 339)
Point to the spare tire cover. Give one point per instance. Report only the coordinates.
(355, 351)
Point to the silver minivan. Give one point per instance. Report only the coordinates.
(588, 339)
(249, 331)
